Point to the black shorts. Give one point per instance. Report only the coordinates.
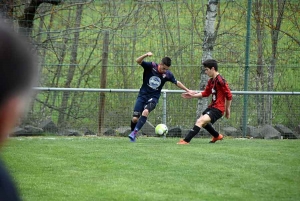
(213, 113)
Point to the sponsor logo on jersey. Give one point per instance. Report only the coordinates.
(154, 82)
(213, 91)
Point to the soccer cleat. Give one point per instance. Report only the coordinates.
(182, 142)
(132, 136)
(214, 139)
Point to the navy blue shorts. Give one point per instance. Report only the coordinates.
(213, 113)
(144, 103)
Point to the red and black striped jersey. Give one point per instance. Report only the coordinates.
(220, 91)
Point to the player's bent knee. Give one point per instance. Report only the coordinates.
(145, 113)
(134, 119)
(201, 122)
(136, 115)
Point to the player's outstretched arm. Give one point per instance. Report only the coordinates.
(191, 94)
(181, 86)
(140, 59)
(227, 108)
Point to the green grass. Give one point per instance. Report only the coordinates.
(101, 168)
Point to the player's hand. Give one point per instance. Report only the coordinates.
(191, 92)
(149, 54)
(227, 113)
(186, 95)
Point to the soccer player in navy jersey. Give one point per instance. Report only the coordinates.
(221, 101)
(154, 77)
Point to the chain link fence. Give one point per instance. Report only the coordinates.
(82, 113)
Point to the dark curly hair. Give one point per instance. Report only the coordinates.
(209, 63)
(167, 61)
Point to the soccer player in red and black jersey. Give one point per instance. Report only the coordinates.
(221, 101)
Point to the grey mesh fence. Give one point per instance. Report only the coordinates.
(82, 112)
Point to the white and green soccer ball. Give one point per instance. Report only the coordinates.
(161, 129)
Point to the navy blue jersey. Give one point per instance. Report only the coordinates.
(153, 81)
(8, 190)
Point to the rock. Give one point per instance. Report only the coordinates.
(253, 132)
(48, 126)
(203, 134)
(109, 132)
(297, 130)
(33, 130)
(231, 131)
(285, 132)
(123, 131)
(18, 132)
(269, 132)
(71, 132)
(184, 132)
(27, 131)
(174, 132)
(87, 131)
(148, 129)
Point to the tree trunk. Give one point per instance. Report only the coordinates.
(134, 41)
(275, 28)
(6, 10)
(178, 34)
(26, 21)
(260, 81)
(208, 44)
(72, 67)
(103, 82)
(61, 59)
(83, 73)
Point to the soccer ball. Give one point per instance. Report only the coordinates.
(161, 129)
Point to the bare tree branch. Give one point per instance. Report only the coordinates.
(26, 21)
(30, 11)
(292, 37)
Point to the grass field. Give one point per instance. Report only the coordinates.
(101, 168)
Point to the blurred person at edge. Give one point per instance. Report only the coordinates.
(18, 74)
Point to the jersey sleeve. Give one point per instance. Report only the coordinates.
(207, 90)
(225, 87)
(171, 78)
(147, 65)
(227, 91)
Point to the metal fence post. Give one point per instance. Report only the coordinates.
(247, 55)
(164, 118)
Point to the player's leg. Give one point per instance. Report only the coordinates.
(214, 114)
(138, 108)
(202, 121)
(211, 130)
(135, 117)
(150, 105)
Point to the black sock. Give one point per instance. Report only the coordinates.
(132, 125)
(211, 130)
(192, 133)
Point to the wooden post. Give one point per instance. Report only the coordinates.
(103, 77)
